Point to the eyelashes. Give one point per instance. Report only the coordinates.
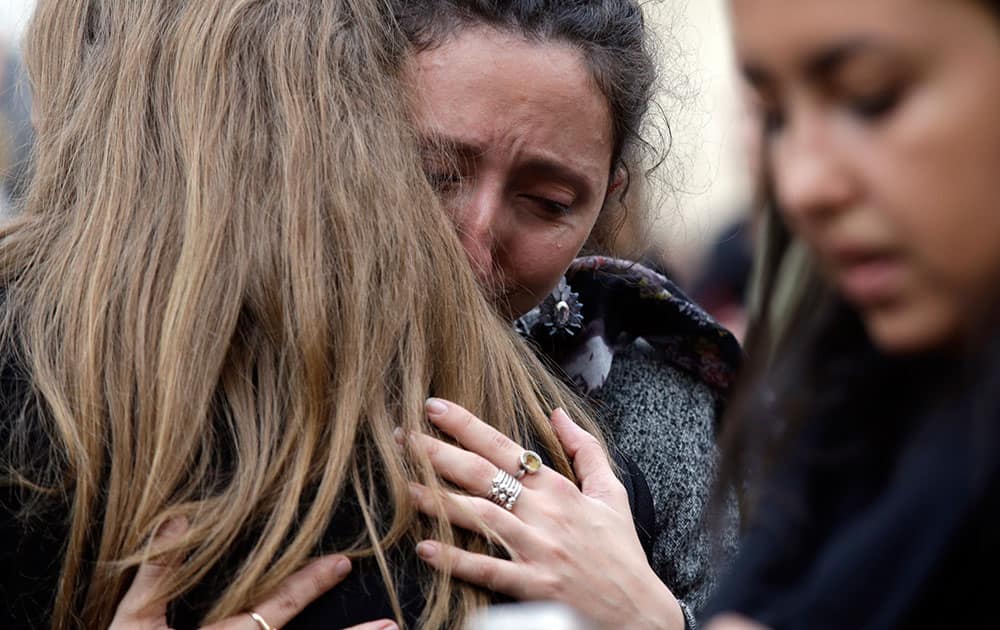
(552, 207)
(876, 105)
(870, 108)
(447, 183)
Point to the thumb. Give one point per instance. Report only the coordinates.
(590, 463)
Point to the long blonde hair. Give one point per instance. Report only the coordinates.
(230, 283)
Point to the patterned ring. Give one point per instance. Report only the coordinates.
(504, 490)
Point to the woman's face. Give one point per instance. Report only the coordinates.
(883, 130)
(517, 140)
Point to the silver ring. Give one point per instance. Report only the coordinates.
(504, 490)
(530, 463)
(263, 625)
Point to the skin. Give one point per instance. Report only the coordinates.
(884, 145)
(517, 140)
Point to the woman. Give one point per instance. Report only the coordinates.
(873, 447)
(211, 325)
(529, 113)
(876, 506)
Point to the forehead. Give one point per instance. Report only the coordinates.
(777, 31)
(497, 86)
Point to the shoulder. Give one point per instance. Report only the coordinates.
(664, 419)
(618, 304)
(642, 384)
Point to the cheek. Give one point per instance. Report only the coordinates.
(945, 217)
(537, 259)
(950, 221)
(934, 178)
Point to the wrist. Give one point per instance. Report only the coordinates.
(657, 607)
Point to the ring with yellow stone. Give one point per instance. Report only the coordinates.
(530, 463)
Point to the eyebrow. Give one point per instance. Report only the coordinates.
(545, 165)
(821, 64)
(447, 144)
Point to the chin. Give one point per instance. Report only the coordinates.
(906, 331)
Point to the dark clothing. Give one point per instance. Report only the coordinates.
(899, 532)
(31, 551)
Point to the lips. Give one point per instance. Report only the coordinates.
(872, 282)
(868, 275)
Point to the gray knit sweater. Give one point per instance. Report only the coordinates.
(663, 419)
(658, 368)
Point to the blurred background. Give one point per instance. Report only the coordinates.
(697, 198)
(15, 107)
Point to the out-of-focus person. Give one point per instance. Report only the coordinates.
(873, 441)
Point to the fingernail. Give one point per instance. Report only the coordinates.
(400, 435)
(343, 567)
(435, 407)
(426, 550)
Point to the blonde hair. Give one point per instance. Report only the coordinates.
(230, 283)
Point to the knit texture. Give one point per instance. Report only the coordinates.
(663, 419)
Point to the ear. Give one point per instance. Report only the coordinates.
(618, 180)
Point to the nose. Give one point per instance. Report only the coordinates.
(812, 176)
(478, 221)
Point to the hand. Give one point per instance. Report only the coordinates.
(138, 610)
(578, 548)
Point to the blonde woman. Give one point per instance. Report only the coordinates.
(230, 284)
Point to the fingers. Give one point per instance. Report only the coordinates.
(474, 434)
(468, 470)
(591, 465)
(296, 592)
(472, 514)
(138, 607)
(501, 576)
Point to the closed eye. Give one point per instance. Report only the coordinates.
(551, 206)
(875, 106)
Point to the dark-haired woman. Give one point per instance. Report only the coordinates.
(529, 113)
(874, 453)
(877, 504)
